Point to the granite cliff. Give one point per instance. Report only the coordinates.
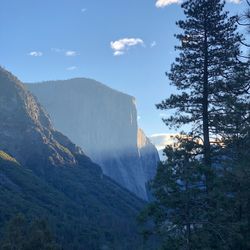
(103, 122)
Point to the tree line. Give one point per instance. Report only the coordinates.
(22, 234)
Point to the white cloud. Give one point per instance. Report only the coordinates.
(70, 53)
(71, 68)
(164, 3)
(162, 140)
(118, 53)
(57, 50)
(120, 46)
(153, 44)
(35, 53)
(65, 52)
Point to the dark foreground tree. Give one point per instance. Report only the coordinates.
(202, 191)
(181, 213)
(177, 212)
(209, 46)
(235, 163)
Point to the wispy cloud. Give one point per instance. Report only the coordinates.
(153, 44)
(65, 52)
(164, 3)
(71, 68)
(119, 47)
(57, 50)
(118, 53)
(35, 53)
(71, 53)
(83, 10)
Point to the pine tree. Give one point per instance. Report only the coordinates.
(181, 214)
(208, 54)
(178, 211)
(235, 128)
(211, 84)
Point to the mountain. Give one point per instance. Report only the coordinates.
(43, 174)
(103, 122)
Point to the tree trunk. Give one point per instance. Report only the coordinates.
(205, 106)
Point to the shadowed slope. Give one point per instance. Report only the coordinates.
(43, 174)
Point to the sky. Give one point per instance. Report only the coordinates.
(125, 44)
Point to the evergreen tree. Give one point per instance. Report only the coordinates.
(208, 54)
(178, 211)
(235, 163)
(213, 89)
(181, 214)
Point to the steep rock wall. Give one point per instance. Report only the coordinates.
(103, 122)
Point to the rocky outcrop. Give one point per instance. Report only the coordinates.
(26, 131)
(148, 154)
(103, 122)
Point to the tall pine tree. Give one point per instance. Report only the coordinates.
(209, 78)
(209, 46)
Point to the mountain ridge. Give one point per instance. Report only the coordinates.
(81, 78)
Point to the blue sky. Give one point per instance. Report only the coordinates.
(126, 44)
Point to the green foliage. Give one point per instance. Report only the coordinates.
(15, 234)
(21, 235)
(236, 187)
(207, 59)
(83, 209)
(181, 212)
(184, 215)
(202, 190)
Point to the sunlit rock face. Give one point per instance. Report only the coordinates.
(103, 122)
(148, 154)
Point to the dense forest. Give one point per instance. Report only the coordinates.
(202, 189)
